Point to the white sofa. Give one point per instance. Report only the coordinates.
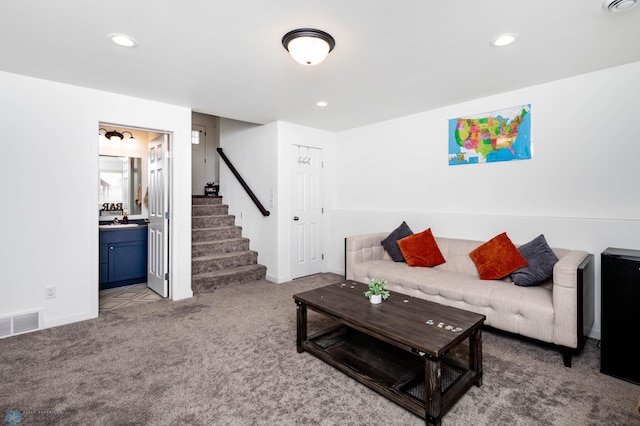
(557, 312)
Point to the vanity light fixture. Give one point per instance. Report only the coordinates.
(308, 46)
(116, 136)
(504, 40)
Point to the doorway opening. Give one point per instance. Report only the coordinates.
(205, 162)
(133, 185)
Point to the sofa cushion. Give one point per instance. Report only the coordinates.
(421, 249)
(497, 258)
(523, 310)
(390, 243)
(456, 253)
(541, 260)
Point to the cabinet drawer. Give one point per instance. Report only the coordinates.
(123, 235)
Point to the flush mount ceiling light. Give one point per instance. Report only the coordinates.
(122, 40)
(504, 40)
(616, 6)
(116, 136)
(308, 46)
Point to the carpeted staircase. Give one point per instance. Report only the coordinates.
(220, 256)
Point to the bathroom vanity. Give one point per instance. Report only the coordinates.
(123, 255)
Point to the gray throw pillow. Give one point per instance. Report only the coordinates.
(390, 243)
(541, 261)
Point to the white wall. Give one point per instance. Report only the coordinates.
(50, 218)
(579, 189)
(252, 149)
(261, 154)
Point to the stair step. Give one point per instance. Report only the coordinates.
(229, 245)
(209, 281)
(205, 200)
(220, 256)
(218, 262)
(219, 233)
(198, 222)
(209, 209)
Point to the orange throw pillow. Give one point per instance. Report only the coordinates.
(497, 258)
(421, 249)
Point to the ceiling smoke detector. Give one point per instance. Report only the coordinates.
(616, 6)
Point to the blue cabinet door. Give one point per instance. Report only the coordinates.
(127, 261)
(123, 257)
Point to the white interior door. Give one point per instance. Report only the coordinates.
(157, 274)
(198, 159)
(306, 211)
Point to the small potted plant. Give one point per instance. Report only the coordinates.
(376, 291)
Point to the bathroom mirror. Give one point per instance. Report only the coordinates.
(120, 187)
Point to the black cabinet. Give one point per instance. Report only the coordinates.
(123, 256)
(620, 313)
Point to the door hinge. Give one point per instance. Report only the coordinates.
(166, 215)
(166, 276)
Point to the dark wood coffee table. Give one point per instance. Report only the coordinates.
(401, 348)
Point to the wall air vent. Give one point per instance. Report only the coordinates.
(20, 323)
(616, 6)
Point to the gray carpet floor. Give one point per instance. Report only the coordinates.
(229, 358)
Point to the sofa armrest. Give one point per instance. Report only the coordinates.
(360, 248)
(573, 298)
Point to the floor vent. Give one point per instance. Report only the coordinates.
(20, 323)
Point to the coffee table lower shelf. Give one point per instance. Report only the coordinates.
(393, 372)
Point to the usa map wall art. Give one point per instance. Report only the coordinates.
(502, 135)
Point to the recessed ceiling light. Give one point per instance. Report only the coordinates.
(322, 103)
(504, 40)
(123, 40)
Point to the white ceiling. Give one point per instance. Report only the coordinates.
(392, 57)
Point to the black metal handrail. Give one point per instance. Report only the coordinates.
(253, 197)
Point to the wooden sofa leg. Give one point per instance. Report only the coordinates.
(566, 356)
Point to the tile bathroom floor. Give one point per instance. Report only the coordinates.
(119, 297)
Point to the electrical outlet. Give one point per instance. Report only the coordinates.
(50, 292)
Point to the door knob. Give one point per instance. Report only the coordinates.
(296, 218)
